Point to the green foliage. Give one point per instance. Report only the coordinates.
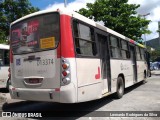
(119, 16)
(155, 54)
(2, 37)
(158, 27)
(11, 10)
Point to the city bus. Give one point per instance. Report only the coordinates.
(62, 56)
(4, 65)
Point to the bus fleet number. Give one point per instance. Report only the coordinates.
(45, 62)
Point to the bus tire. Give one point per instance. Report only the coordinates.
(7, 85)
(120, 88)
(145, 77)
(149, 72)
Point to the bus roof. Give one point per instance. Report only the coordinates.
(80, 17)
(2, 46)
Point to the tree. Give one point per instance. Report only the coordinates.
(158, 28)
(2, 37)
(11, 10)
(119, 16)
(155, 55)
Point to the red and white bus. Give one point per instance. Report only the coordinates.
(62, 56)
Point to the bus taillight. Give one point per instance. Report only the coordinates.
(66, 81)
(65, 66)
(65, 72)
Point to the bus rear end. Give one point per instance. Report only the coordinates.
(37, 65)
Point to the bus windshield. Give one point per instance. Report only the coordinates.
(35, 34)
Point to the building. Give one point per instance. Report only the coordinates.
(154, 43)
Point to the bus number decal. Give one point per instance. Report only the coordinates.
(45, 62)
(47, 42)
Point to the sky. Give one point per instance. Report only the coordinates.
(146, 6)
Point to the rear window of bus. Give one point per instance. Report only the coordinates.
(35, 34)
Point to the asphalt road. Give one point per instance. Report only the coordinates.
(140, 97)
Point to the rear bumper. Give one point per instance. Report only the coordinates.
(66, 94)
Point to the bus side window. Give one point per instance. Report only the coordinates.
(115, 47)
(84, 39)
(138, 53)
(125, 50)
(142, 53)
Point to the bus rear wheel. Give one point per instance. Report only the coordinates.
(7, 85)
(145, 77)
(120, 88)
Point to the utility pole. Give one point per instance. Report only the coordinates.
(65, 3)
(159, 28)
(159, 31)
(144, 16)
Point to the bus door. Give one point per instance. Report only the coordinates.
(105, 60)
(134, 64)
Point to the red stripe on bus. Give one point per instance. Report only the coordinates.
(97, 76)
(59, 50)
(67, 45)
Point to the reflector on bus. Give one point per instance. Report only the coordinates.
(136, 43)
